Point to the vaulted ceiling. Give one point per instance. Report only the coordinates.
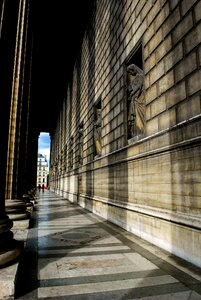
(58, 30)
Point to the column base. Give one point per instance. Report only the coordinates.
(10, 249)
(17, 210)
(10, 253)
(9, 271)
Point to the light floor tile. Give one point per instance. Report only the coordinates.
(104, 286)
(186, 295)
(140, 261)
(84, 250)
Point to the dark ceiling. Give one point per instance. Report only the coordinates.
(58, 30)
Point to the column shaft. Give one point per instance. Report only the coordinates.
(15, 99)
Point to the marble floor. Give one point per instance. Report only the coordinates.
(73, 254)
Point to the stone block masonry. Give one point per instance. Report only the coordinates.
(150, 183)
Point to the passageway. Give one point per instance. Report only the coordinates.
(117, 86)
(72, 254)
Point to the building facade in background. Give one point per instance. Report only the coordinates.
(42, 171)
(127, 144)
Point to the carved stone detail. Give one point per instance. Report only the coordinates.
(135, 100)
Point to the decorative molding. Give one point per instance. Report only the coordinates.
(183, 219)
(97, 164)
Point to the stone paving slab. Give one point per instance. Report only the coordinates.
(82, 256)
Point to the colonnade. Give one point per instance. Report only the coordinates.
(18, 139)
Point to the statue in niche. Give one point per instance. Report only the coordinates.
(135, 98)
(65, 157)
(71, 153)
(97, 131)
(56, 169)
(59, 164)
(80, 145)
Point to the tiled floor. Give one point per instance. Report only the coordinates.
(73, 254)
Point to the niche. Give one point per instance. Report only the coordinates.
(135, 96)
(98, 128)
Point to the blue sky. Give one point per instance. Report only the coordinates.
(44, 145)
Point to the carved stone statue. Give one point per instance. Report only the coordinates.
(97, 131)
(80, 145)
(71, 153)
(136, 108)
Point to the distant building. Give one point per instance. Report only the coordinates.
(42, 170)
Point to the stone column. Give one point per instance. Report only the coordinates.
(15, 106)
(32, 159)
(19, 165)
(24, 184)
(17, 125)
(10, 249)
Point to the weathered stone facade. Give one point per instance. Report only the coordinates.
(148, 183)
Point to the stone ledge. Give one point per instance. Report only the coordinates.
(8, 276)
(183, 219)
(20, 234)
(21, 224)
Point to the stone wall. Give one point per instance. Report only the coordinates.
(148, 183)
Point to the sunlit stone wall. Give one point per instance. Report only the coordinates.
(148, 184)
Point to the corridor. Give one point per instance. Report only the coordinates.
(73, 254)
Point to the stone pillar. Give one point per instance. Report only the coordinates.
(19, 112)
(16, 103)
(32, 159)
(22, 132)
(10, 249)
(27, 144)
